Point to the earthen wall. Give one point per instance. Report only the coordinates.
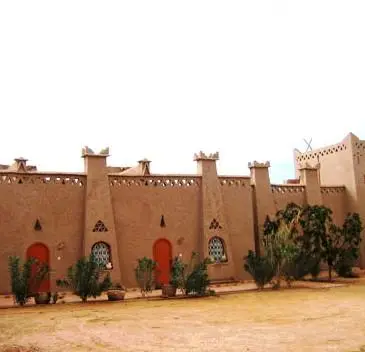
(187, 210)
(57, 202)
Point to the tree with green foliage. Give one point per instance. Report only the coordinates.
(280, 244)
(341, 247)
(316, 238)
(25, 277)
(316, 222)
(85, 279)
(349, 245)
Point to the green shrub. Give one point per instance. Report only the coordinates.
(84, 279)
(302, 265)
(344, 264)
(177, 270)
(197, 281)
(191, 278)
(145, 274)
(260, 268)
(23, 277)
(348, 245)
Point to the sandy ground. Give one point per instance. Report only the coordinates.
(321, 317)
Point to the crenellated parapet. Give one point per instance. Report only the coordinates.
(256, 164)
(203, 156)
(86, 151)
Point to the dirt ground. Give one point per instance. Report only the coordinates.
(309, 317)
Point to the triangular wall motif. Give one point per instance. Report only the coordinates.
(215, 225)
(162, 222)
(100, 227)
(37, 225)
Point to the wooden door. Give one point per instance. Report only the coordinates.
(162, 252)
(40, 252)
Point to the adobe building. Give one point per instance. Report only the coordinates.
(125, 213)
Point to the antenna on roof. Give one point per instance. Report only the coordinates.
(309, 147)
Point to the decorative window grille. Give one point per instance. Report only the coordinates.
(102, 255)
(217, 251)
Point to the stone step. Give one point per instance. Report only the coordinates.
(224, 282)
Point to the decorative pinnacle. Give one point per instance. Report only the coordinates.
(203, 156)
(88, 151)
(21, 159)
(145, 160)
(257, 164)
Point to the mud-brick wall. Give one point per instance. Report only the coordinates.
(285, 194)
(335, 198)
(140, 202)
(57, 201)
(237, 198)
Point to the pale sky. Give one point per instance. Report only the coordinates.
(165, 79)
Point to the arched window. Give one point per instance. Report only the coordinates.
(101, 252)
(217, 252)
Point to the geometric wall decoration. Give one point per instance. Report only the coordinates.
(37, 226)
(214, 225)
(100, 227)
(162, 222)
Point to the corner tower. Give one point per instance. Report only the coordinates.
(342, 164)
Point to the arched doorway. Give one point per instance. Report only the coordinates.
(162, 254)
(40, 252)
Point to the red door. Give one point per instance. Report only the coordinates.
(162, 253)
(40, 252)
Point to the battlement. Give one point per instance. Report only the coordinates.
(203, 156)
(258, 164)
(160, 181)
(15, 178)
(86, 151)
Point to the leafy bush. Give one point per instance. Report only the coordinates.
(280, 244)
(348, 245)
(177, 270)
(84, 279)
(26, 277)
(303, 265)
(191, 278)
(145, 274)
(197, 281)
(260, 268)
(315, 269)
(344, 265)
